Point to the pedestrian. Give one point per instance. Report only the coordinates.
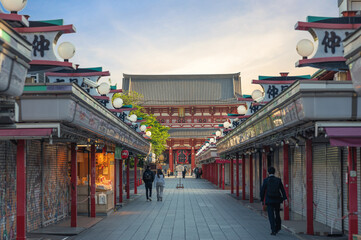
(159, 184)
(148, 178)
(274, 194)
(200, 173)
(184, 172)
(168, 172)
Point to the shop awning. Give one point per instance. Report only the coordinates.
(25, 133)
(344, 136)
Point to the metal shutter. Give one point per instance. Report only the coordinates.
(34, 184)
(247, 175)
(319, 183)
(334, 189)
(298, 181)
(345, 186)
(63, 182)
(256, 181)
(7, 190)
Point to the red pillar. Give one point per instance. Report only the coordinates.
(135, 175)
(286, 209)
(171, 160)
(220, 176)
(309, 187)
(120, 180)
(243, 177)
(215, 172)
(74, 210)
(237, 175)
(223, 175)
(352, 192)
(251, 178)
(232, 177)
(193, 159)
(92, 181)
(21, 190)
(128, 179)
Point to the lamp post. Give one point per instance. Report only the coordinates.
(304, 48)
(66, 50)
(14, 6)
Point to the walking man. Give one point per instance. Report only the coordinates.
(148, 178)
(274, 194)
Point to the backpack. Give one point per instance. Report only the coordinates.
(148, 176)
(273, 188)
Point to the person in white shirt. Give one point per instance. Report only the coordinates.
(159, 184)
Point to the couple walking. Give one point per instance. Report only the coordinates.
(158, 179)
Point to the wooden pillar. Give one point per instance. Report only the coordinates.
(135, 175)
(21, 190)
(171, 167)
(223, 175)
(128, 179)
(243, 177)
(120, 180)
(251, 178)
(286, 209)
(237, 174)
(232, 176)
(74, 194)
(193, 159)
(92, 181)
(352, 192)
(309, 187)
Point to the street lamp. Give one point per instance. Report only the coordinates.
(242, 110)
(133, 118)
(14, 6)
(226, 124)
(66, 51)
(104, 88)
(148, 133)
(257, 95)
(218, 133)
(143, 128)
(117, 103)
(304, 48)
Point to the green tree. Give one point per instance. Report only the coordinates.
(129, 98)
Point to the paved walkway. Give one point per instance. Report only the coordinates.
(199, 211)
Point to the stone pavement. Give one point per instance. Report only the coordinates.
(199, 211)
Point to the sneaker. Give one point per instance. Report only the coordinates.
(150, 199)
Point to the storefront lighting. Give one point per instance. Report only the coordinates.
(211, 140)
(304, 48)
(66, 50)
(104, 88)
(242, 110)
(14, 6)
(226, 124)
(133, 118)
(148, 133)
(218, 133)
(117, 103)
(257, 95)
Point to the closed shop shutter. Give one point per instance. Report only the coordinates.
(34, 185)
(56, 183)
(247, 175)
(334, 189)
(345, 186)
(7, 190)
(298, 181)
(319, 183)
(256, 181)
(281, 163)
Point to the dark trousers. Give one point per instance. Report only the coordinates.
(274, 218)
(148, 187)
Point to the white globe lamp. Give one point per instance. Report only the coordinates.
(257, 95)
(226, 124)
(117, 103)
(218, 133)
(304, 48)
(66, 50)
(133, 118)
(104, 88)
(242, 110)
(143, 128)
(148, 133)
(211, 140)
(14, 6)
(207, 144)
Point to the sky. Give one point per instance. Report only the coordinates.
(254, 37)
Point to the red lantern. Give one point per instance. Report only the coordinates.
(125, 154)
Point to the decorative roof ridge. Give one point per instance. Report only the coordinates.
(173, 76)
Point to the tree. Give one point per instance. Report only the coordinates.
(129, 98)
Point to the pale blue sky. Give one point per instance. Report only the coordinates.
(254, 37)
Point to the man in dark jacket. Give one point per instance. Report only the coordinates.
(148, 178)
(274, 194)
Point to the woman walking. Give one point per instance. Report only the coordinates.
(159, 184)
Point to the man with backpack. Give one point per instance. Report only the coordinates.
(274, 194)
(148, 178)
